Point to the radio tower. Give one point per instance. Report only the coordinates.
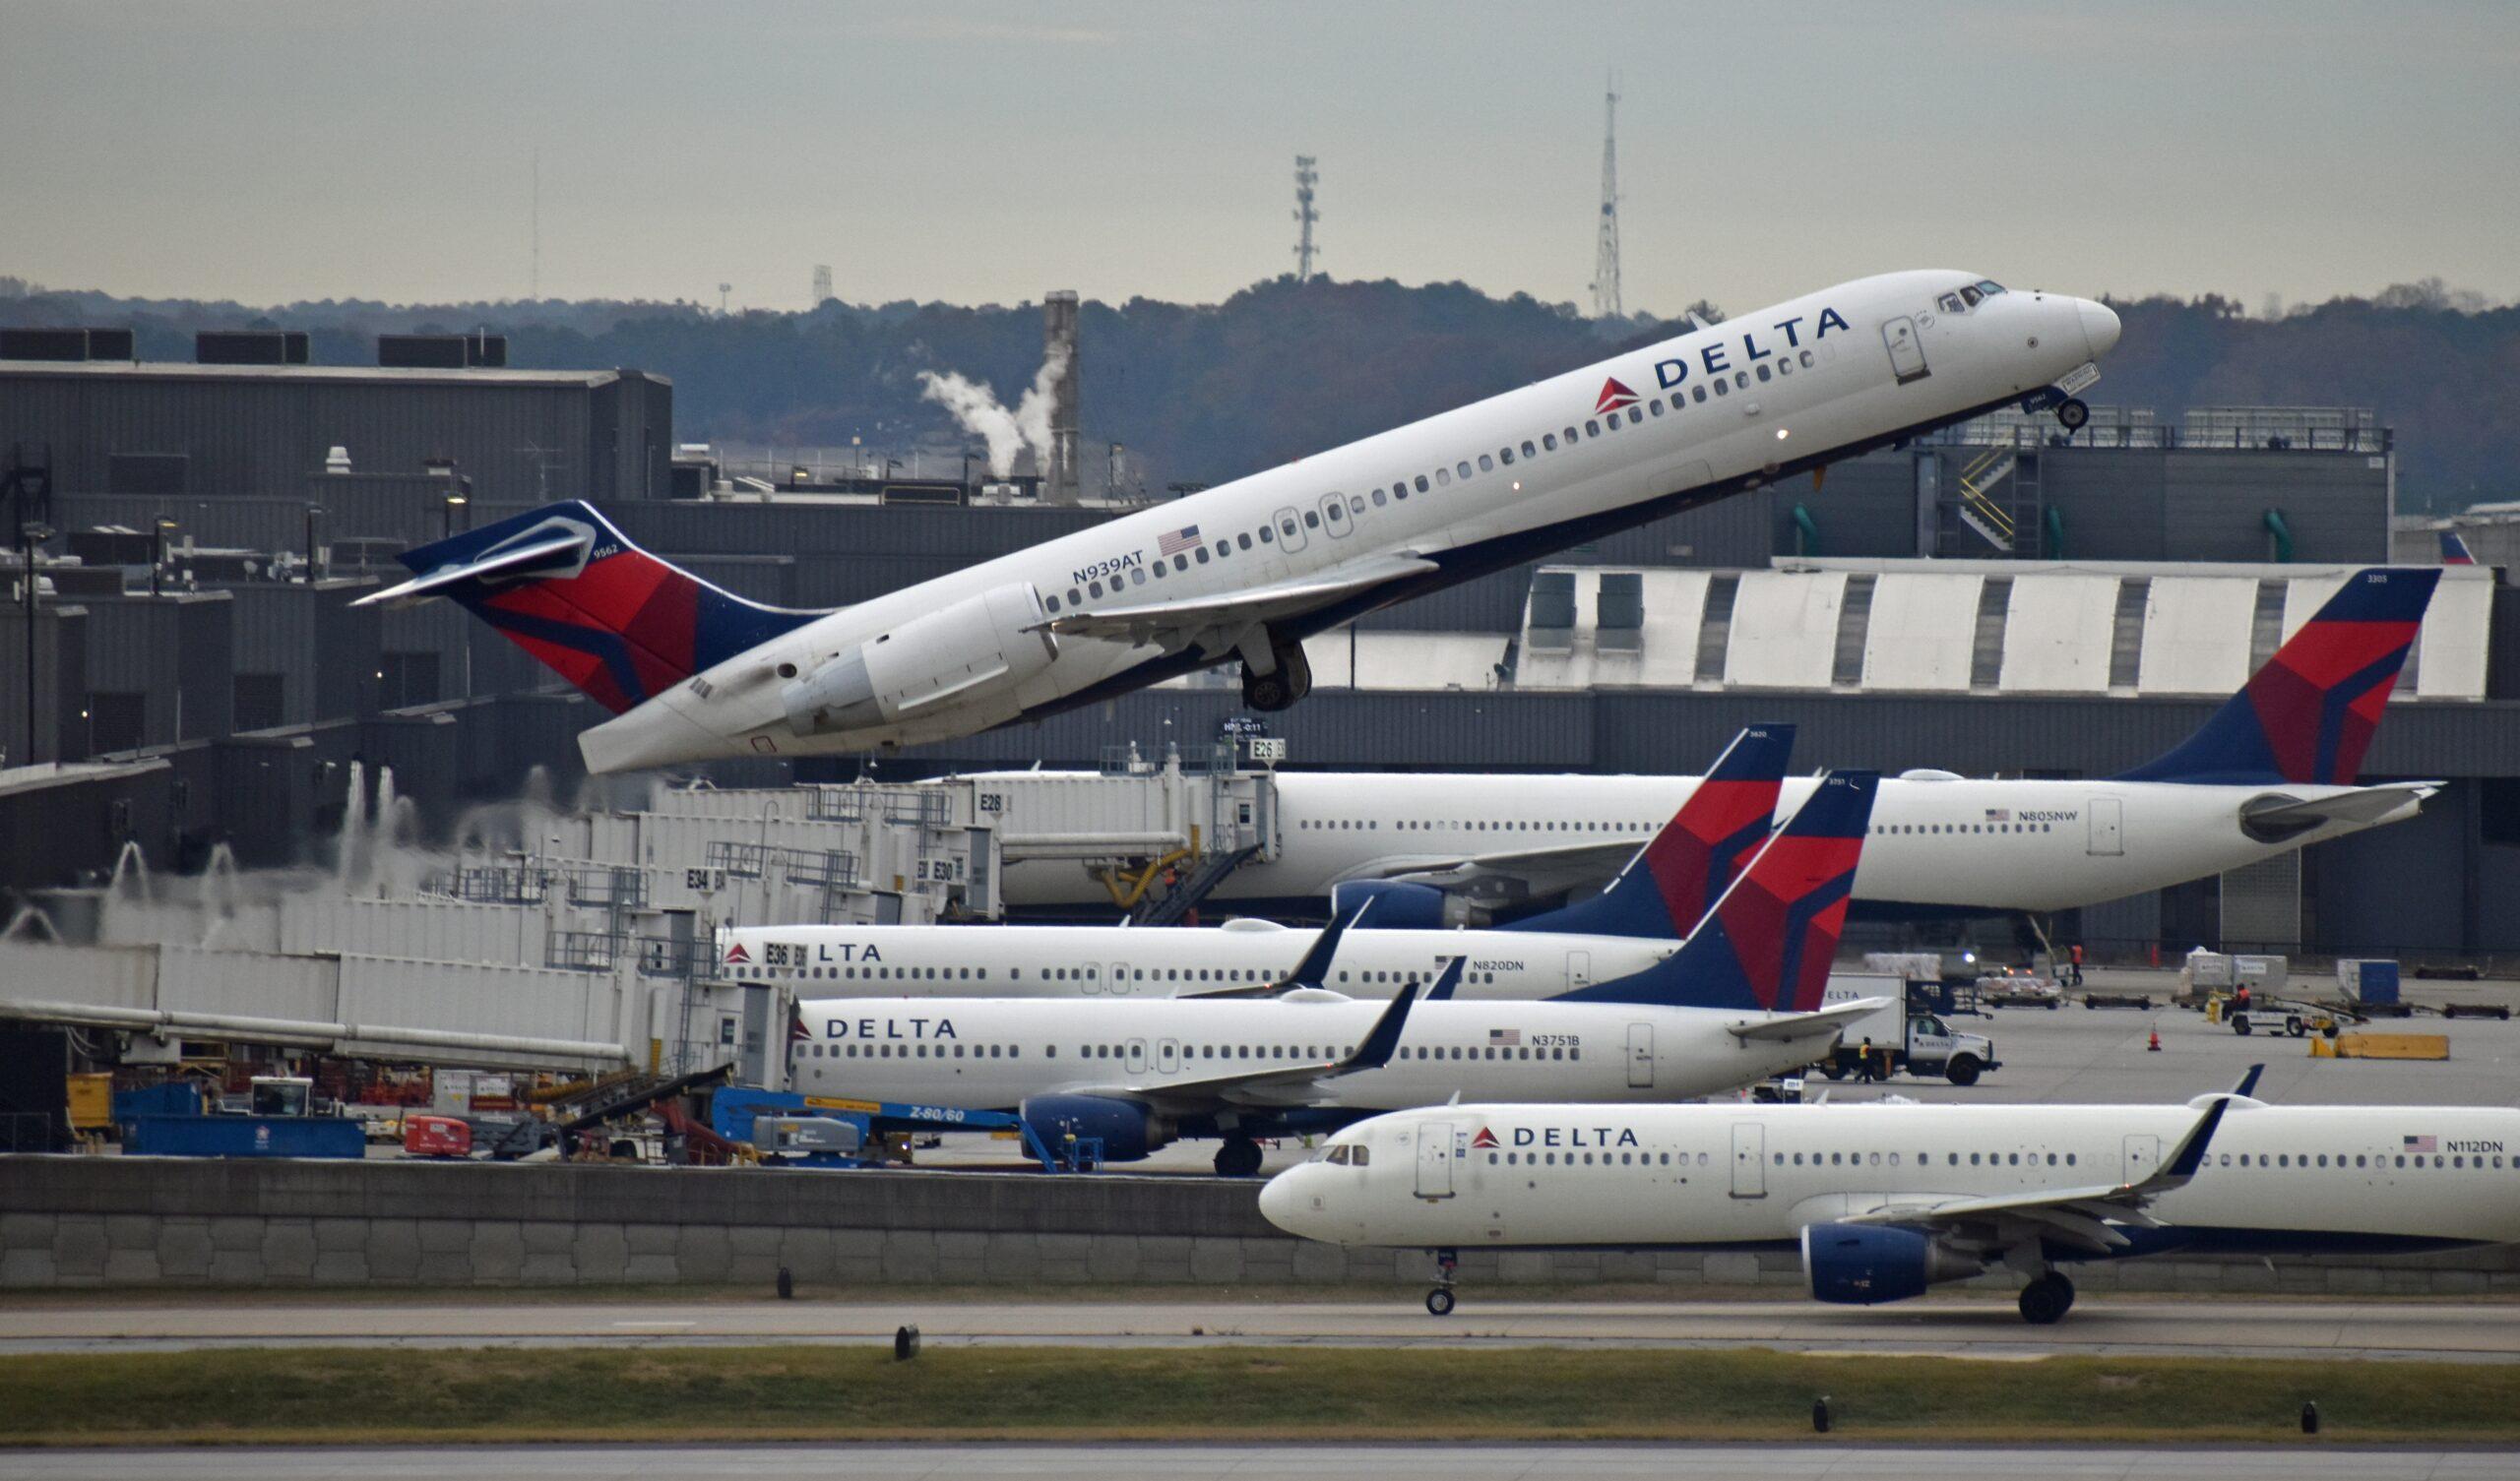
(1606, 304)
(1305, 179)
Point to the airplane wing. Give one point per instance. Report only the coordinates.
(1544, 870)
(2079, 1216)
(2279, 815)
(1278, 1086)
(1313, 972)
(1216, 623)
(1795, 1025)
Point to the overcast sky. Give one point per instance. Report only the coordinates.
(269, 152)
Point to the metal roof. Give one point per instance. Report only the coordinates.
(179, 370)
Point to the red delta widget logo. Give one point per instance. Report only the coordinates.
(1614, 394)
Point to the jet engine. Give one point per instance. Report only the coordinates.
(1129, 1131)
(1397, 906)
(979, 645)
(1865, 1264)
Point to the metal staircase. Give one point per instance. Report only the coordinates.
(1170, 905)
(1997, 498)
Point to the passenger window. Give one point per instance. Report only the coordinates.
(1486, 465)
(1785, 366)
(1462, 469)
(1570, 437)
(1528, 450)
(1763, 372)
(1245, 539)
(1334, 511)
(1378, 498)
(1445, 477)
(1074, 597)
(1095, 587)
(1698, 393)
(1549, 441)
(1203, 555)
(1806, 360)
(1592, 429)
(1421, 483)
(1050, 603)
(1655, 406)
(1357, 502)
(1137, 575)
(1635, 415)
(1741, 377)
(1505, 455)
(1721, 388)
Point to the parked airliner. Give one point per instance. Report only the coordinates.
(2271, 770)
(1637, 921)
(1738, 1002)
(1249, 569)
(1885, 1200)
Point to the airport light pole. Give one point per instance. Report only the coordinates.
(30, 535)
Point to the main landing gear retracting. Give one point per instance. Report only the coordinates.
(2046, 1299)
(2071, 411)
(1288, 679)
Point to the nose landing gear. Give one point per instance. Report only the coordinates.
(1439, 1301)
(2072, 415)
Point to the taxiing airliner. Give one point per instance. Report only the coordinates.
(1886, 1199)
(1667, 887)
(1249, 569)
(2274, 770)
(1738, 1002)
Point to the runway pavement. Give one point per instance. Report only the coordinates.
(1269, 1462)
(2111, 1326)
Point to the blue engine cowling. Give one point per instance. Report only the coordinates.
(1865, 1264)
(1397, 906)
(1129, 1131)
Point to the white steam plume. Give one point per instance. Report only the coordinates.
(1007, 433)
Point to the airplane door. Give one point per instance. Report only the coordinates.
(1749, 1159)
(2143, 1158)
(1137, 1057)
(1435, 1160)
(1907, 352)
(1168, 1056)
(1335, 517)
(1579, 969)
(1120, 979)
(2107, 827)
(1640, 1055)
(1290, 528)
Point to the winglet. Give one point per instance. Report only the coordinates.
(1314, 969)
(1450, 979)
(2182, 1163)
(1384, 1041)
(2248, 1082)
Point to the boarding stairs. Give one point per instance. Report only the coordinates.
(1168, 907)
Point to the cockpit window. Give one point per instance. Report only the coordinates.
(1949, 303)
(1969, 296)
(1990, 288)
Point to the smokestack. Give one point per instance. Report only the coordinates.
(1058, 347)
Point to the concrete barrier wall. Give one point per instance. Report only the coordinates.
(98, 1221)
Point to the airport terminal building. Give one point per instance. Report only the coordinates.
(1999, 598)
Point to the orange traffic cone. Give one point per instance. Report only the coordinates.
(2155, 1045)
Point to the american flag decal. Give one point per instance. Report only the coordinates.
(1505, 1037)
(2000, 815)
(2420, 1144)
(1174, 541)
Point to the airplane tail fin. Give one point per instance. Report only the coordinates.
(1676, 877)
(2454, 549)
(1768, 942)
(571, 589)
(2307, 717)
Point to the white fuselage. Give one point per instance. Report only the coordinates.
(1989, 846)
(1799, 381)
(1759, 1174)
(1086, 961)
(995, 1053)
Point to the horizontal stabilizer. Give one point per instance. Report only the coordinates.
(1801, 1025)
(558, 551)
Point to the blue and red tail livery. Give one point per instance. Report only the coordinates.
(1677, 877)
(571, 589)
(2307, 717)
(1768, 942)
(2454, 549)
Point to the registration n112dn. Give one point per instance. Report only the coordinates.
(1245, 571)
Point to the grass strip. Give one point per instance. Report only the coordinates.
(265, 1395)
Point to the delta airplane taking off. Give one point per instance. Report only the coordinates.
(1738, 1002)
(1668, 886)
(2273, 769)
(1885, 1200)
(1249, 569)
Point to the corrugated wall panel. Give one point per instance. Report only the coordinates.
(460, 997)
(1922, 631)
(2056, 634)
(1785, 629)
(92, 976)
(2196, 634)
(248, 984)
